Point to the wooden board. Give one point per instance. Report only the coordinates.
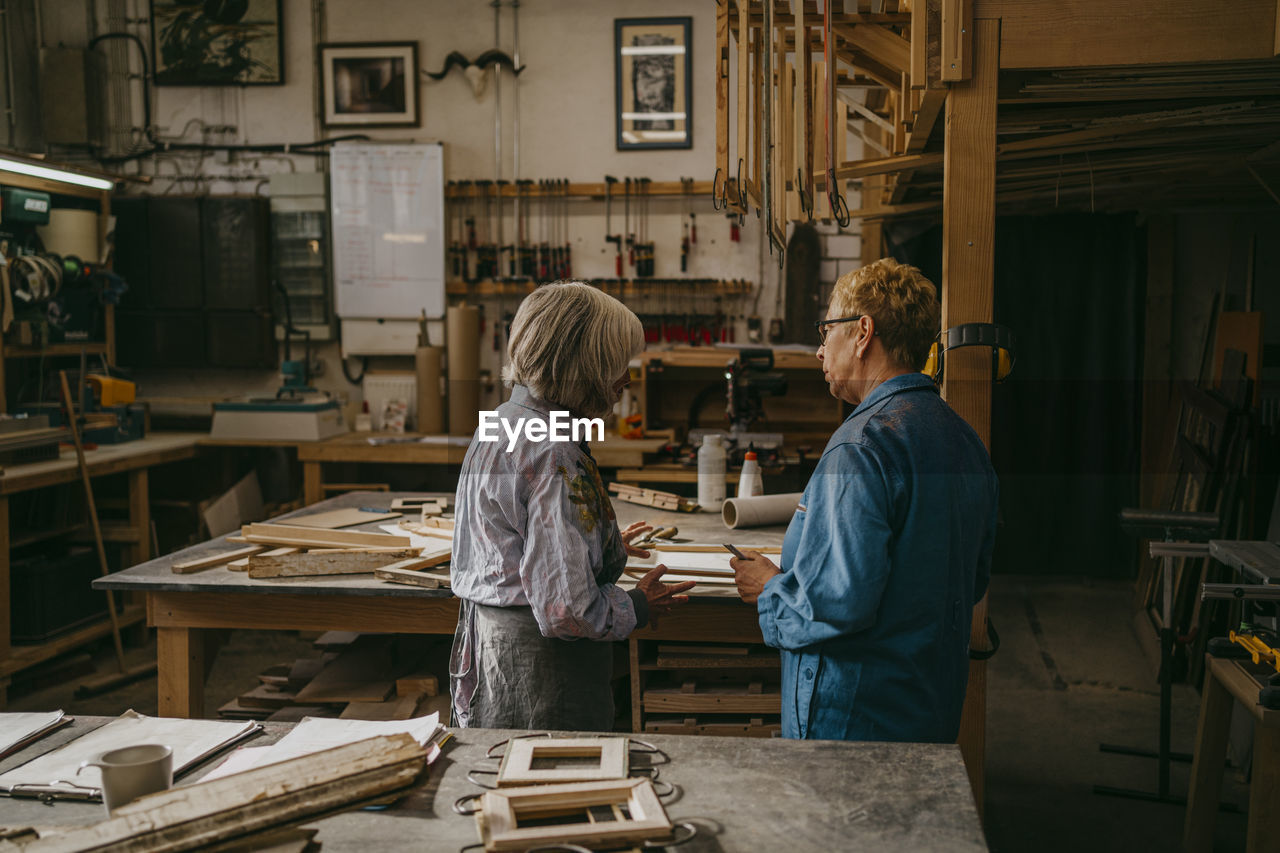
(421, 684)
(306, 537)
(266, 696)
(243, 563)
(339, 518)
(360, 674)
(201, 563)
(304, 565)
(200, 815)
(723, 699)
(763, 726)
(409, 577)
(395, 708)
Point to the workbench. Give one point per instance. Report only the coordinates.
(183, 608)
(745, 795)
(133, 459)
(613, 452)
(1225, 683)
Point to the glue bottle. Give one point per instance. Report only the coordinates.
(749, 482)
(711, 471)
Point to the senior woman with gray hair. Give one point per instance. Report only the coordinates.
(536, 549)
(890, 547)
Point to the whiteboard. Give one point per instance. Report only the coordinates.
(388, 230)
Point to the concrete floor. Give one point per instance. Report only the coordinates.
(1069, 674)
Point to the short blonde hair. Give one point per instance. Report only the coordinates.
(901, 301)
(569, 343)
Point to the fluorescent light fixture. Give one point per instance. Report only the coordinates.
(52, 174)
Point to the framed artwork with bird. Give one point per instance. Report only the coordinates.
(217, 42)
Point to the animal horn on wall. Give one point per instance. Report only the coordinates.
(475, 71)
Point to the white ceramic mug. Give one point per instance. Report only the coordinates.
(132, 772)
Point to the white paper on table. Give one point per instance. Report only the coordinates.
(316, 734)
(17, 728)
(191, 740)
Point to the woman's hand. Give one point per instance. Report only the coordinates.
(635, 531)
(751, 574)
(662, 596)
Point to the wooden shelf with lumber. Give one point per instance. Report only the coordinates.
(726, 689)
(619, 287)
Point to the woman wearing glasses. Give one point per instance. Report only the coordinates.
(890, 547)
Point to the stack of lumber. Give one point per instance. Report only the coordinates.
(363, 677)
(652, 497)
(286, 550)
(30, 445)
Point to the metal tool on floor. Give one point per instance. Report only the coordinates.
(126, 674)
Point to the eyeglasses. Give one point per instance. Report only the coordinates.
(822, 325)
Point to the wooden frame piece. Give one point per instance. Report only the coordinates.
(201, 563)
(306, 537)
(517, 762)
(632, 804)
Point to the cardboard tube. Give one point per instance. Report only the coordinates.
(462, 331)
(426, 365)
(760, 511)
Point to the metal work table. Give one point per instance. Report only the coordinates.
(183, 608)
(744, 794)
(1258, 562)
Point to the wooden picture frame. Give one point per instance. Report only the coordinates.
(617, 813)
(223, 44)
(517, 766)
(653, 86)
(369, 84)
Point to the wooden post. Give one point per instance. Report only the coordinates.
(1157, 373)
(968, 244)
(722, 90)
(5, 590)
(180, 654)
(1206, 766)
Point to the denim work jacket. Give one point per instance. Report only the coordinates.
(882, 564)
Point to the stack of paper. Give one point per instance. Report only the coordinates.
(316, 734)
(18, 730)
(55, 772)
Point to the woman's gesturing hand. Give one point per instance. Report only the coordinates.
(632, 533)
(662, 596)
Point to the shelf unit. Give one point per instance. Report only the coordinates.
(70, 348)
(726, 689)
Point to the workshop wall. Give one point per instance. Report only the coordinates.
(566, 122)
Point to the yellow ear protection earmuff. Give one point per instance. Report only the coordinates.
(999, 338)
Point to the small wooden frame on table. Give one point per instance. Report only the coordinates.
(369, 84)
(654, 95)
(518, 762)
(217, 44)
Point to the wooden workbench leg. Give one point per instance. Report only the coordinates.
(637, 719)
(181, 659)
(140, 515)
(5, 592)
(1264, 791)
(1206, 766)
(312, 483)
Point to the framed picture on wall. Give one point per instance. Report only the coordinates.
(371, 84)
(654, 95)
(217, 44)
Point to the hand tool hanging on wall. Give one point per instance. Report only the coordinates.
(526, 255)
(454, 236)
(626, 224)
(839, 210)
(485, 252)
(502, 245)
(544, 245)
(609, 236)
(567, 271)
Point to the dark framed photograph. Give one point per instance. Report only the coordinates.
(654, 95)
(370, 84)
(236, 43)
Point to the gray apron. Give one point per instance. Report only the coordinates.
(504, 674)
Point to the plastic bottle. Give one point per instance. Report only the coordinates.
(711, 472)
(750, 483)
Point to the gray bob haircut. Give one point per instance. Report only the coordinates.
(569, 344)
